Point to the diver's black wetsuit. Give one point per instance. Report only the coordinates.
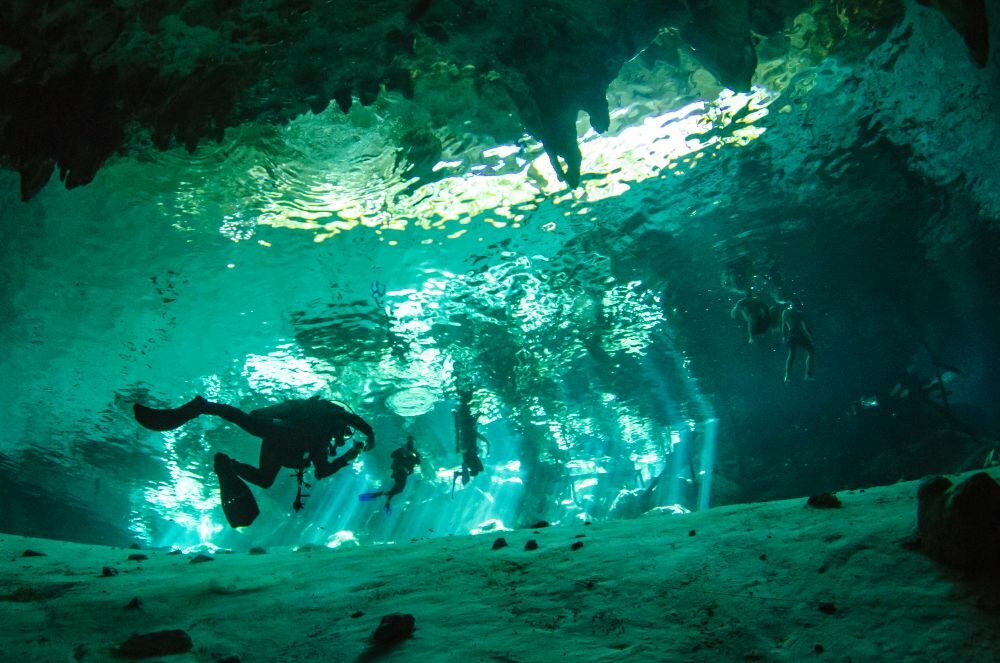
(293, 434)
(467, 440)
(404, 460)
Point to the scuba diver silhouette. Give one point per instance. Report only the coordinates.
(294, 434)
(404, 459)
(467, 440)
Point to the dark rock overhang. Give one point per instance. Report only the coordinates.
(80, 82)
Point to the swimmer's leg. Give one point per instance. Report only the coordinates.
(810, 374)
(789, 361)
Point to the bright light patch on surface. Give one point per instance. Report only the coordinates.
(637, 313)
(675, 439)
(513, 466)
(412, 402)
(578, 467)
(502, 187)
(285, 370)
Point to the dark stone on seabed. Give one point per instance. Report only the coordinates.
(108, 571)
(824, 501)
(500, 543)
(201, 558)
(137, 557)
(134, 604)
(394, 628)
(158, 643)
(257, 550)
(827, 607)
(540, 524)
(576, 545)
(960, 524)
(531, 544)
(33, 553)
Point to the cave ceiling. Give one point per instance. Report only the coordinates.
(83, 81)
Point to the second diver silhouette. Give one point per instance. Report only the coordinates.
(294, 434)
(404, 459)
(467, 440)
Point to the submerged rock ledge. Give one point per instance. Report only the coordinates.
(772, 581)
(91, 79)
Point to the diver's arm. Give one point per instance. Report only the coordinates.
(483, 438)
(357, 423)
(736, 309)
(784, 325)
(325, 467)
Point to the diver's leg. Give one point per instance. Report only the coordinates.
(269, 466)
(475, 465)
(398, 484)
(170, 418)
(257, 427)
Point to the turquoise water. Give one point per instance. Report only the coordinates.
(593, 326)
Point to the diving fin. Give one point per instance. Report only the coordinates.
(368, 497)
(238, 502)
(161, 420)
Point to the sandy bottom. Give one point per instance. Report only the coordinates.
(776, 581)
